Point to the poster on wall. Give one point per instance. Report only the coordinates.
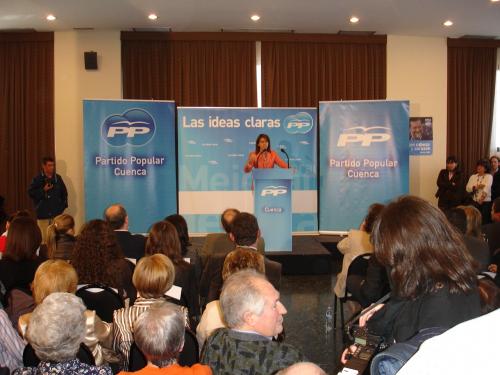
(129, 157)
(420, 131)
(363, 159)
(214, 144)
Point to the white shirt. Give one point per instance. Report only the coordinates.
(486, 180)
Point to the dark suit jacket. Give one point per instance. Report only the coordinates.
(132, 245)
(492, 233)
(220, 243)
(479, 250)
(185, 277)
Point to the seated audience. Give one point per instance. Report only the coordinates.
(58, 276)
(3, 237)
(495, 186)
(11, 344)
(163, 239)
(477, 247)
(153, 277)
(159, 334)
(61, 237)
(473, 215)
(97, 258)
(254, 315)
(468, 348)
(237, 260)
(479, 186)
(221, 243)
(20, 261)
(490, 295)
(187, 251)
(432, 275)
(357, 243)
(55, 334)
(492, 231)
(132, 245)
(451, 185)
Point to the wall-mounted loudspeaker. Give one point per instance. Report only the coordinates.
(90, 59)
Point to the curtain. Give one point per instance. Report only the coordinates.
(471, 92)
(26, 111)
(191, 72)
(298, 73)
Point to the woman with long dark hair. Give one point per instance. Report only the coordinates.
(263, 156)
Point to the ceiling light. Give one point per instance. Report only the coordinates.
(153, 17)
(255, 17)
(354, 19)
(448, 23)
(51, 17)
(495, 1)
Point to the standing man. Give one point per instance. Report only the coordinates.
(49, 195)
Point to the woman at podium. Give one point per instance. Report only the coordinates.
(263, 156)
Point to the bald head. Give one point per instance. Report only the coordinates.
(302, 368)
(116, 216)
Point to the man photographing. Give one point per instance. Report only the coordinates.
(49, 194)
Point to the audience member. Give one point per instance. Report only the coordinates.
(490, 295)
(302, 368)
(473, 216)
(479, 186)
(432, 276)
(153, 277)
(159, 334)
(55, 334)
(10, 219)
(245, 233)
(48, 193)
(237, 260)
(477, 247)
(97, 258)
(451, 185)
(20, 261)
(58, 276)
(163, 239)
(494, 164)
(132, 245)
(492, 231)
(61, 237)
(254, 315)
(187, 251)
(11, 344)
(468, 348)
(495, 186)
(355, 244)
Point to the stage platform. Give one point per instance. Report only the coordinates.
(311, 254)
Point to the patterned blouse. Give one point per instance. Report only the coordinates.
(73, 366)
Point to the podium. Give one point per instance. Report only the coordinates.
(273, 207)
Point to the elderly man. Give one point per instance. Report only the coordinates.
(159, 334)
(132, 245)
(254, 315)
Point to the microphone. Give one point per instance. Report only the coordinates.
(282, 149)
(260, 154)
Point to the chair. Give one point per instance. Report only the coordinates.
(358, 266)
(101, 298)
(30, 358)
(187, 357)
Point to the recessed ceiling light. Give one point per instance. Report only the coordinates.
(495, 1)
(255, 17)
(354, 19)
(448, 23)
(153, 17)
(51, 17)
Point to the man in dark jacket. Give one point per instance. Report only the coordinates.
(49, 194)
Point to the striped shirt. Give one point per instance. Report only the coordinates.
(11, 344)
(123, 325)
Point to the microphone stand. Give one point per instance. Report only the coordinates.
(287, 157)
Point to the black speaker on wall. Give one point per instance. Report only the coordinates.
(90, 59)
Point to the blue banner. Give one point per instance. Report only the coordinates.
(129, 149)
(214, 144)
(364, 159)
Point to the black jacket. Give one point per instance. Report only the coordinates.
(132, 245)
(51, 203)
(450, 193)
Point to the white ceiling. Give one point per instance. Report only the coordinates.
(401, 17)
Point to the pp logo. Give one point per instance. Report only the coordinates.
(363, 136)
(273, 191)
(135, 127)
(300, 123)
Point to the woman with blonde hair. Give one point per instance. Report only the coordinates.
(61, 237)
(58, 276)
(473, 221)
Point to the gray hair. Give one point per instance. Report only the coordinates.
(159, 332)
(57, 327)
(241, 294)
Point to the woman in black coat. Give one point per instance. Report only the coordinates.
(451, 185)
